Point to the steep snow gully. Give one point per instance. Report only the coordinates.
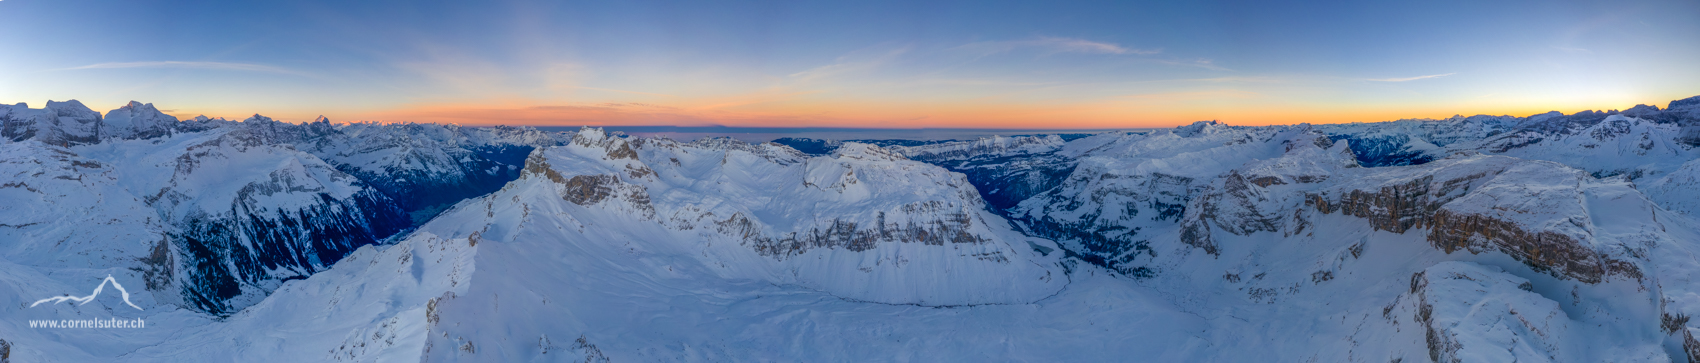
(1562, 238)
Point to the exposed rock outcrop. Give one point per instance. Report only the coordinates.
(1422, 203)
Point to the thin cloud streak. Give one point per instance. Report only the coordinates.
(855, 62)
(1055, 45)
(194, 65)
(1200, 63)
(624, 91)
(1408, 79)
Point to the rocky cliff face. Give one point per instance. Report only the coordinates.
(1465, 210)
(1474, 313)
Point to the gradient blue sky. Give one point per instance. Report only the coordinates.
(988, 64)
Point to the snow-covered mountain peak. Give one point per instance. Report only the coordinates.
(71, 108)
(60, 123)
(869, 152)
(1690, 105)
(137, 120)
(985, 147)
(1200, 128)
(590, 136)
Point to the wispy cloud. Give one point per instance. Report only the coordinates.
(858, 61)
(1407, 79)
(1200, 63)
(624, 91)
(1195, 95)
(1054, 45)
(195, 65)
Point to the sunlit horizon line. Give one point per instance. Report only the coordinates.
(1281, 120)
(957, 120)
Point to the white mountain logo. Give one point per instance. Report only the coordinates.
(87, 299)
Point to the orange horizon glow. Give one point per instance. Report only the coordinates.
(875, 115)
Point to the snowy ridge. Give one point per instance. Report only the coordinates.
(878, 219)
(996, 145)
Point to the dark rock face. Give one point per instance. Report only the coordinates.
(588, 189)
(1231, 205)
(256, 246)
(1107, 242)
(952, 228)
(1438, 344)
(1395, 208)
(1690, 346)
(1554, 253)
(1420, 204)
